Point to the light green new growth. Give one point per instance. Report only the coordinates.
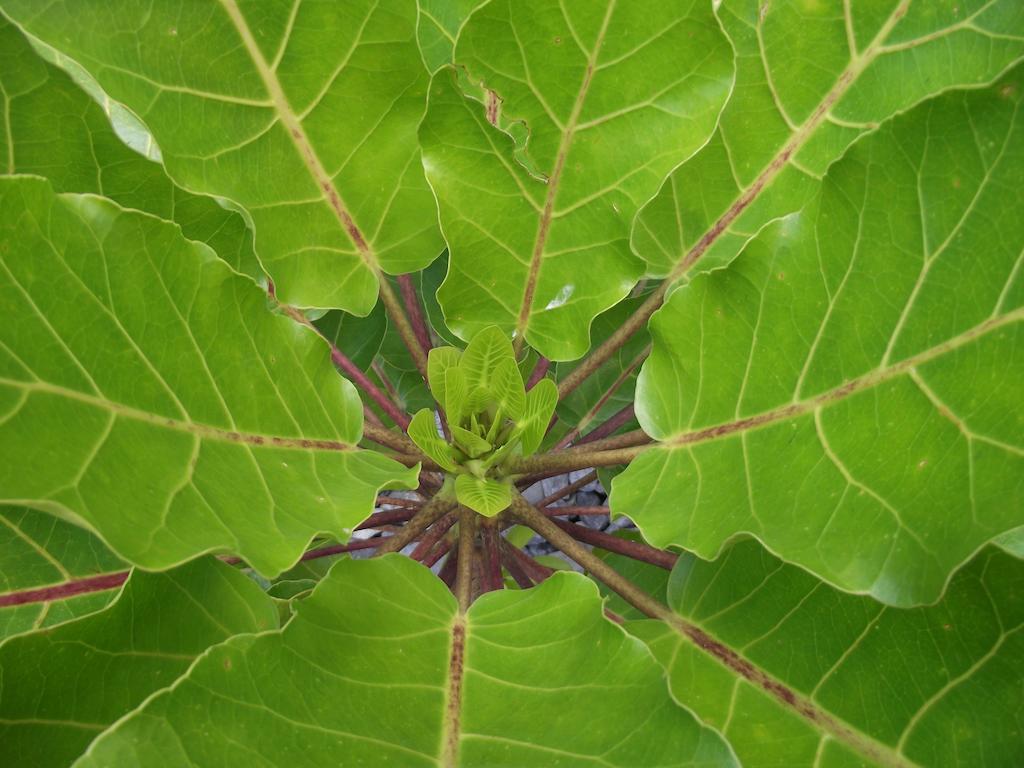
(491, 417)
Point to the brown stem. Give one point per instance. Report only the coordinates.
(353, 372)
(565, 461)
(515, 570)
(416, 314)
(608, 428)
(387, 517)
(489, 536)
(63, 591)
(576, 511)
(625, 440)
(433, 535)
(611, 345)
(539, 372)
(533, 570)
(450, 569)
(392, 440)
(590, 415)
(467, 547)
(397, 501)
(571, 488)
(402, 324)
(441, 549)
(636, 550)
(428, 514)
(626, 589)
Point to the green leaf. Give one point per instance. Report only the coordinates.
(488, 688)
(473, 445)
(456, 395)
(483, 494)
(335, 195)
(423, 432)
(147, 392)
(64, 685)
(540, 404)
(613, 95)
(811, 78)
(54, 129)
(855, 375)
(358, 337)
(508, 391)
(40, 552)
(437, 27)
(482, 356)
(439, 361)
(849, 681)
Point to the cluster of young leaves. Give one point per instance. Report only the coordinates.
(802, 219)
(490, 415)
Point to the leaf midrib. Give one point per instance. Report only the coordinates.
(789, 150)
(202, 431)
(842, 391)
(544, 224)
(290, 120)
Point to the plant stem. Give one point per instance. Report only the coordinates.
(467, 547)
(576, 511)
(531, 568)
(392, 440)
(433, 535)
(636, 550)
(427, 515)
(441, 549)
(608, 428)
(625, 440)
(416, 315)
(396, 501)
(613, 343)
(405, 329)
(590, 415)
(515, 570)
(565, 461)
(626, 589)
(489, 535)
(387, 517)
(353, 372)
(450, 569)
(539, 372)
(571, 488)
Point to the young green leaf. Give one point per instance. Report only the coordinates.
(508, 390)
(456, 395)
(540, 404)
(472, 444)
(423, 432)
(483, 494)
(439, 361)
(482, 356)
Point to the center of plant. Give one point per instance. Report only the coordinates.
(489, 419)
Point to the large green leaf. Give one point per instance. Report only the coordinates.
(850, 390)
(614, 95)
(823, 678)
(811, 77)
(62, 686)
(437, 27)
(54, 129)
(42, 558)
(419, 684)
(146, 391)
(307, 119)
